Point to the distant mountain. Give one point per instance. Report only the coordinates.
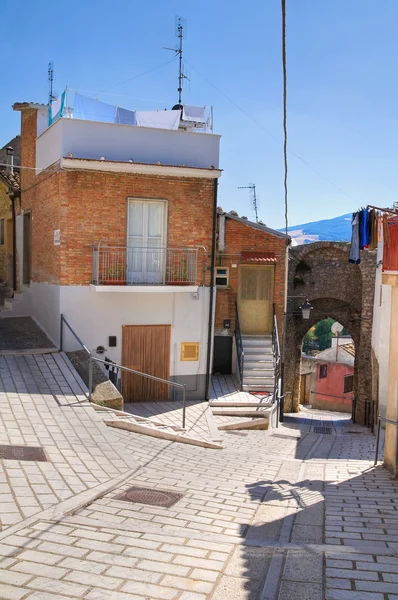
(326, 230)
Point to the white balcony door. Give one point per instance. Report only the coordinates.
(146, 241)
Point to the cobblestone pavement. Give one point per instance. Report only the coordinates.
(38, 407)
(286, 514)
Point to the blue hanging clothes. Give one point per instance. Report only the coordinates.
(364, 233)
(125, 117)
(355, 255)
(56, 109)
(89, 109)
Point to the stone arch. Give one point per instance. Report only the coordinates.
(335, 288)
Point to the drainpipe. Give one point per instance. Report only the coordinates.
(211, 303)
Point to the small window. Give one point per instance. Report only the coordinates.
(348, 383)
(189, 351)
(323, 371)
(222, 276)
(1, 232)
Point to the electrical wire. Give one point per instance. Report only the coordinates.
(17, 167)
(135, 77)
(283, 6)
(271, 135)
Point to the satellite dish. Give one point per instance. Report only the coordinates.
(337, 328)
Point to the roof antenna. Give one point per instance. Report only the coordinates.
(51, 96)
(252, 187)
(180, 25)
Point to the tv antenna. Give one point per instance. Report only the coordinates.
(252, 187)
(180, 25)
(51, 96)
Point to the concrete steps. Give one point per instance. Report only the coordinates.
(258, 368)
(245, 423)
(152, 427)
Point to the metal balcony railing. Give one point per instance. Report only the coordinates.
(126, 265)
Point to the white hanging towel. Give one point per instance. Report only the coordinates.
(125, 117)
(193, 113)
(162, 119)
(89, 109)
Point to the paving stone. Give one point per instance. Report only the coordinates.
(236, 588)
(291, 591)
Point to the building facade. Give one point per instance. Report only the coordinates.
(116, 231)
(251, 286)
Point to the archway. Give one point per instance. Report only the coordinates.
(328, 371)
(337, 289)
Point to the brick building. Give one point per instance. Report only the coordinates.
(251, 283)
(116, 231)
(9, 201)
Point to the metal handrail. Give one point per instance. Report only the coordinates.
(239, 345)
(99, 360)
(277, 364)
(378, 435)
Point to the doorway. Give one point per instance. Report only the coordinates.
(255, 299)
(222, 354)
(305, 389)
(146, 235)
(27, 248)
(145, 348)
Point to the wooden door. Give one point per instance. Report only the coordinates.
(145, 348)
(255, 299)
(305, 389)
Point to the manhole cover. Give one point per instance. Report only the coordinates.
(150, 496)
(33, 453)
(326, 430)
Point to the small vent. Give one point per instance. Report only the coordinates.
(189, 351)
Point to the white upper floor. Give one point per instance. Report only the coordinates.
(94, 140)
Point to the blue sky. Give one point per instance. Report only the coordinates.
(342, 86)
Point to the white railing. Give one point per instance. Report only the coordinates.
(125, 265)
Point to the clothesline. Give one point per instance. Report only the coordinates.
(388, 210)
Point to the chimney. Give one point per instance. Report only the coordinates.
(10, 159)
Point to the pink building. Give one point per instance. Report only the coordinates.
(331, 381)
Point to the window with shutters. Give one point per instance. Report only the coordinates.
(189, 351)
(323, 371)
(348, 383)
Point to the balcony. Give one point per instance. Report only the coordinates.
(126, 268)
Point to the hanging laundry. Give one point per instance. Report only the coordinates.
(373, 229)
(196, 114)
(56, 110)
(386, 231)
(163, 119)
(89, 109)
(355, 256)
(364, 237)
(125, 117)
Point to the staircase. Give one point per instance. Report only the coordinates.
(258, 364)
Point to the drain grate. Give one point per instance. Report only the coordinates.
(150, 496)
(32, 453)
(326, 430)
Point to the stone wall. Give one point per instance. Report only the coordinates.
(335, 288)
